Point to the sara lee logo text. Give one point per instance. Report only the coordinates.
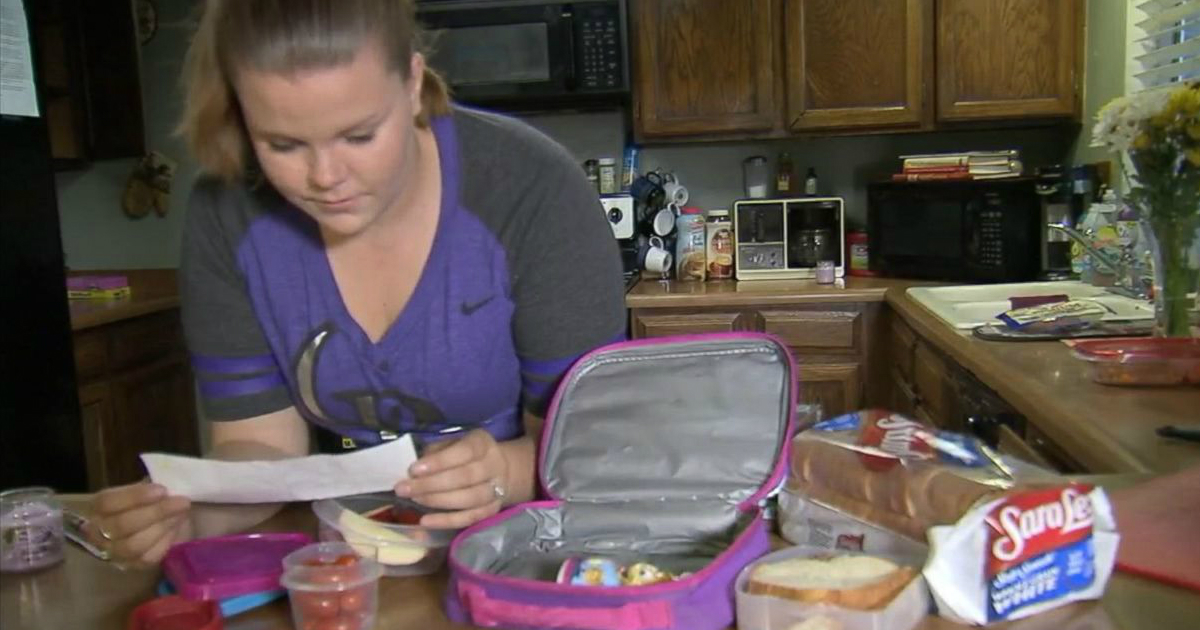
(1031, 523)
(896, 435)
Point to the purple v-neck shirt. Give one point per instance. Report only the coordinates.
(523, 277)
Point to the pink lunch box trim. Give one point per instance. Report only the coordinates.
(492, 612)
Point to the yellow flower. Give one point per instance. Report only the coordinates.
(1141, 142)
(1193, 156)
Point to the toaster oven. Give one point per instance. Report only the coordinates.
(785, 238)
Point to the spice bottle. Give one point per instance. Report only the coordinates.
(608, 176)
(784, 179)
(719, 245)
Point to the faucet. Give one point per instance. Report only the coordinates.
(1123, 268)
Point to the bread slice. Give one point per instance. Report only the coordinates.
(858, 582)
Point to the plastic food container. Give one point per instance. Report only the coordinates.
(176, 613)
(229, 566)
(764, 612)
(331, 586)
(31, 529)
(1153, 361)
(383, 527)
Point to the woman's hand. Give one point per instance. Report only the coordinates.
(137, 523)
(469, 475)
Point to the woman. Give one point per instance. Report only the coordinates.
(393, 265)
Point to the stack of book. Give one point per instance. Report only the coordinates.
(959, 166)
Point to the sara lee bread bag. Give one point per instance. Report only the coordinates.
(891, 471)
(657, 459)
(1006, 540)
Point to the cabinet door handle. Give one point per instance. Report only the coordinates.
(905, 388)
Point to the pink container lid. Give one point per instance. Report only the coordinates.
(229, 566)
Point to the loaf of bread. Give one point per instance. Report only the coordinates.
(908, 498)
(857, 582)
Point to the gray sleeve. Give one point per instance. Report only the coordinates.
(237, 375)
(567, 275)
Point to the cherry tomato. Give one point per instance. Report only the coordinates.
(316, 605)
(354, 600)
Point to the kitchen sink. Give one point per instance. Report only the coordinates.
(969, 306)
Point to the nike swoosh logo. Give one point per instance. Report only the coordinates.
(468, 309)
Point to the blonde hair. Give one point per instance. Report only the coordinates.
(285, 36)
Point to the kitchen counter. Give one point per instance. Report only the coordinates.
(151, 291)
(84, 592)
(1107, 429)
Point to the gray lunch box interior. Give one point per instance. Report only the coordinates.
(651, 449)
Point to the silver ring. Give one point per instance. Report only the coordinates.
(498, 491)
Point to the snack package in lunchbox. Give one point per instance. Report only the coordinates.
(891, 471)
(1023, 554)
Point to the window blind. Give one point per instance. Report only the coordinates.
(1167, 48)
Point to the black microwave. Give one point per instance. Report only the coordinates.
(962, 231)
(529, 54)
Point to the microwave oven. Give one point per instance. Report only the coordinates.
(529, 54)
(784, 239)
(960, 231)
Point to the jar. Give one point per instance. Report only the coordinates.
(31, 529)
(859, 255)
(689, 244)
(718, 241)
(608, 176)
(825, 272)
(591, 168)
(754, 177)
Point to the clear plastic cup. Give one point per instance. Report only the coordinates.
(330, 586)
(31, 529)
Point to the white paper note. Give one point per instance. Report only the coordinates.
(18, 96)
(374, 469)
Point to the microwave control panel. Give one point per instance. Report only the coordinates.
(991, 237)
(600, 39)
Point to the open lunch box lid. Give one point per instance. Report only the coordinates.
(690, 417)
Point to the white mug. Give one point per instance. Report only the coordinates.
(664, 222)
(658, 259)
(675, 193)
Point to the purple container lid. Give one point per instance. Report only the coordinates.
(229, 566)
(96, 282)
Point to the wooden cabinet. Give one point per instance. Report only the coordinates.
(135, 394)
(688, 323)
(1008, 58)
(829, 340)
(88, 73)
(934, 389)
(705, 66)
(707, 69)
(858, 63)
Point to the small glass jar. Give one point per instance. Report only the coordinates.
(31, 529)
(591, 168)
(608, 176)
(825, 272)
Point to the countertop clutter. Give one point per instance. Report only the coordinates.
(1097, 428)
(68, 596)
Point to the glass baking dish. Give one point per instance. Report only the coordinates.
(1152, 361)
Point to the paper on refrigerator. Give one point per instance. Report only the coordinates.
(308, 478)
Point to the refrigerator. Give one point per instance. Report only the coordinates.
(41, 433)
